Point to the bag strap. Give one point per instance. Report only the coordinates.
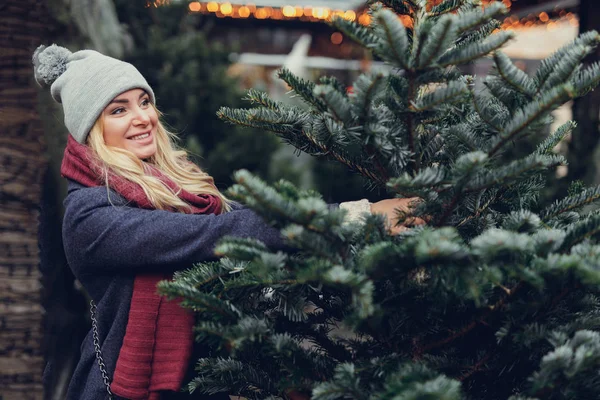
(99, 358)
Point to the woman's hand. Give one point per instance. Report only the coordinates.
(392, 209)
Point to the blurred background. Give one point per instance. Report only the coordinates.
(198, 56)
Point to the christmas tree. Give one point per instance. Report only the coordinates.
(497, 297)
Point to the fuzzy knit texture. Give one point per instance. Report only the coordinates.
(356, 210)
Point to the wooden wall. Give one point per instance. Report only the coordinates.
(22, 163)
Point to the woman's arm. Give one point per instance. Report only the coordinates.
(104, 236)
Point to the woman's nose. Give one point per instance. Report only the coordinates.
(141, 116)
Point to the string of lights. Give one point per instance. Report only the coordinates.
(323, 14)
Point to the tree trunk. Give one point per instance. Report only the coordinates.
(586, 110)
(22, 163)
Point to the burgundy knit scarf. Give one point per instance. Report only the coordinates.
(158, 340)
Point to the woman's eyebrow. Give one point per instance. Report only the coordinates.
(125, 101)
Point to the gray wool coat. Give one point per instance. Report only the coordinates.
(107, 242)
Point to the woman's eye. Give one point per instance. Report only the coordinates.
(117, 110)
(146, 102)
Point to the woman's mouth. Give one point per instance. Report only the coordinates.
(140, 137)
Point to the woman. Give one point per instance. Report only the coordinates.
(136, 211)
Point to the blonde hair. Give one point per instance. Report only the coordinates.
(168, 159)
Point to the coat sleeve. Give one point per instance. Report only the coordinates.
(103, 235)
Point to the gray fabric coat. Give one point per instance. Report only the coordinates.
(107, 242)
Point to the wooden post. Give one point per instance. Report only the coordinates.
(21, 166)
(586, 110)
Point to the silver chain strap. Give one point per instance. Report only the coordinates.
(99, 358)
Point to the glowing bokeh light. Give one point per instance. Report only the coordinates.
(336, 38)
(212, 6)
(226, 8)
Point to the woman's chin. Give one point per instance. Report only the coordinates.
(145, 152)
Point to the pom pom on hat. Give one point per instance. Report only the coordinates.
(50, 63)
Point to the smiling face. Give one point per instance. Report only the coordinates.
(130, 122)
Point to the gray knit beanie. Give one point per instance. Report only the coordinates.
(84, 82)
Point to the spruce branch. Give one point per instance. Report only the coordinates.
(338, 104)
(441, 36)
(482, 319)
(480, 210)
(547, 146)
(470, 52)
(581, 230)
(402, 7)
(513, 171)
(262, 98)
(566, 67)
(474, 18)
(490, 111)
(584, 81)
(428, 178)
(513, 75)
(360, 34)
(303, 88)
(547, 66)
(219, 375)
(534, 110)
(480, 34)
(198, 301)
(441, 96)
(393, 44)
(445, 7)
(367, 88)
(570, 203)
(477, 367)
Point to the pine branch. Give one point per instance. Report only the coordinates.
(441, 96)
(196, 300)
(393, 42)
(547, 146)
(445, 7)
(441, 36)
(338, 104)
(514, 170)
(587, 80)
(581, 230)
(263, 99)
(566, 67)
(480, 34)
(472, 19)
(587, 196)
(402, 7)
(356, 32)
(305, 89)
(465, 329)
(525, 117)
(467, 53)
(513, 75)
(483, 208)
(548, 65)
(490, 111)
(367, 88)
(477, 367)
(427, 178)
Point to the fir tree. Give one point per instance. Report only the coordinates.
(496, 298)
